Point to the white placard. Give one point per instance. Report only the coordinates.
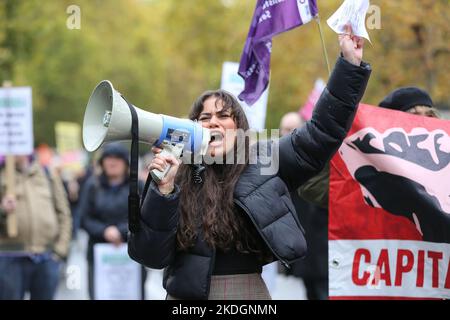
(233, 83)
(353, 12)
(116, 276)
(16, 121)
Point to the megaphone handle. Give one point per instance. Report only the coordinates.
(159, 175)
(167, 149)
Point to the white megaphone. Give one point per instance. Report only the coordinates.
(108, 118)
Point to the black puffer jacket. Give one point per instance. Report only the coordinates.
(101, 206)
(263, 197)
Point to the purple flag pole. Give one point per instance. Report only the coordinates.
(270, 18)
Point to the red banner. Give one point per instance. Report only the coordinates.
(389, 226)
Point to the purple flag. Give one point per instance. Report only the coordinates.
(271, 17)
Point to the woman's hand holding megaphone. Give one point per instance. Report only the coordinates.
(159, 162)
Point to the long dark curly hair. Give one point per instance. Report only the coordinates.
(209, 206)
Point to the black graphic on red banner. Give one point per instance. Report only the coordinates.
(389, 224)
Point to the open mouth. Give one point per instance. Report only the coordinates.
(216, 139)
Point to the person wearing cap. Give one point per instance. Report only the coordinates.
(412, 100)
(104, 204)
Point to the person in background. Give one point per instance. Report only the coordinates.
(313, 269)
(412, 100)
(31, 261)
(104, 205)
(289, 122)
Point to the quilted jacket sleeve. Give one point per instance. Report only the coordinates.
(154, 244)
(305, 152)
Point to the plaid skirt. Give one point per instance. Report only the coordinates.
(237, 287)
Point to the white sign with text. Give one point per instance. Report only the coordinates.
(233, 83)
(16, 121)
(116, 276)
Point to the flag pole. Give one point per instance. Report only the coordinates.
(324, 49)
